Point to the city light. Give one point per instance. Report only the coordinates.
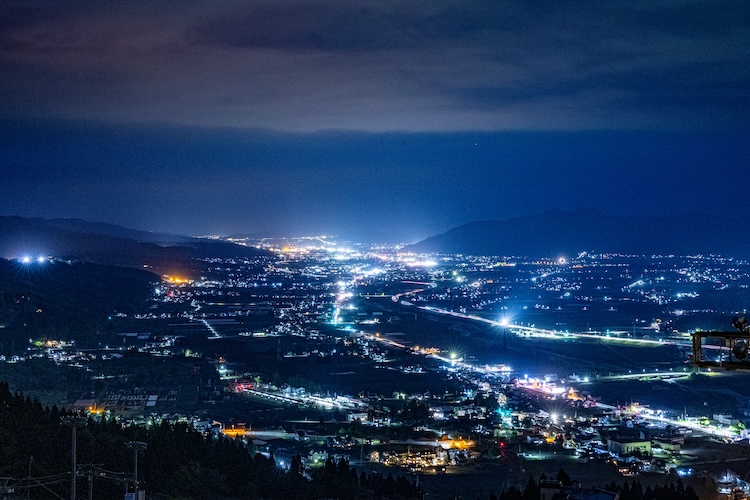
(375, 305)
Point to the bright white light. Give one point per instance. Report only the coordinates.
(373, 272)
(41, 259)
(424, 263)
(504, 321)
(25, 259)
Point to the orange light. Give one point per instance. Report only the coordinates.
(176, 279)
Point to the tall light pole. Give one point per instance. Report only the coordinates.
(73, 421)
(136, 446)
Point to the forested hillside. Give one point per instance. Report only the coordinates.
(63, 300)
(178, 462)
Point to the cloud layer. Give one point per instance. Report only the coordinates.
(380, 66)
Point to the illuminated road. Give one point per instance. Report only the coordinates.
(454, 362)
(305, 399)
(539, 332)
(666, 376)
(550, 334)
(712, 430)
(396, 298)
(211, 329)
(652, 416)
(197, 307)
(705, 429)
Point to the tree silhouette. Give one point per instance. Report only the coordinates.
(178, 462)
(564, 478)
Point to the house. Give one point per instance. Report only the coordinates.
(628, 445)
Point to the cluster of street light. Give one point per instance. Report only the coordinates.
(28, 259)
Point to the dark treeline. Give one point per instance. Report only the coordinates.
(178, 462)
(626, 491)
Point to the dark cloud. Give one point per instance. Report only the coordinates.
(309, 26)
(378, 66)
(18, 15)
(359, 26)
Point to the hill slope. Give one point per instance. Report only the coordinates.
(562, 233)
(106, 229)
(79, 240)
(63, 301)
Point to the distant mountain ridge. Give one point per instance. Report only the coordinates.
(566, 233)
(101, 243)
(107, 229)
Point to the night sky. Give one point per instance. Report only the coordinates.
(406, 118)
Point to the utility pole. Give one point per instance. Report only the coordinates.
(90, 470)
(136, 446)
(73, 421)
(91, 487)
(31, 459)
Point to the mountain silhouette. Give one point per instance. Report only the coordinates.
(558, 233)
(74, 239)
